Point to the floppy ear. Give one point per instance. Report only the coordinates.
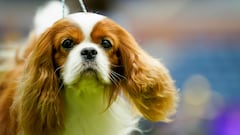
(39, 103)
(148, 85)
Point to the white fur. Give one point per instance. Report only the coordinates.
(86, 22)
(47, 15)
(74, 65)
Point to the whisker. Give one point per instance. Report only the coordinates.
(59, 89)
(119, 75)
(115, 76)
(113, 79)
(57, 69)
(59, 80)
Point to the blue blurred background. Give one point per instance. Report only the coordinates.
(198, 40)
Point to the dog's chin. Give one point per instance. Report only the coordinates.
(89, 72)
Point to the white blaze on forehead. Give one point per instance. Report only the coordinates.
(86, 21)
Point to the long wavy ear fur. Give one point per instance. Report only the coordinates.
(39, 103)
(148, 85)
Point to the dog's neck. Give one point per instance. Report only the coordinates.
(86, 96)
(87, 112)
(85, 107)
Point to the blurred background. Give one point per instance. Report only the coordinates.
(198, 40)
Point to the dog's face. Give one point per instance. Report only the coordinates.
(88, 44)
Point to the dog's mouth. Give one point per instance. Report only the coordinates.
(88, 70)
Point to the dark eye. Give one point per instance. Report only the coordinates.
(106, 44)
(67, 44)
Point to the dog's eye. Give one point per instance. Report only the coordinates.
(106, 44)
(68, 44)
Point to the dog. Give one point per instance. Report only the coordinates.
(83, 75)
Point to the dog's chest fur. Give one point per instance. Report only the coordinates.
(86, 112)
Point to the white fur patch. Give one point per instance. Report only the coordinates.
(86, 21)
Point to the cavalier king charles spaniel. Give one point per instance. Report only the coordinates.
(83, 75)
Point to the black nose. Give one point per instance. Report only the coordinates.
(89, 53)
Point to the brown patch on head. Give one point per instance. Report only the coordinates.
(106, 29)
(63, 30)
